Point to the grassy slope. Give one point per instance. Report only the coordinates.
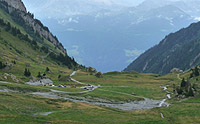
(120, 84)
(25, 106)
(31, 56)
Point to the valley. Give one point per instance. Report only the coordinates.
(40, 83)
(114, 98)
(110, 37)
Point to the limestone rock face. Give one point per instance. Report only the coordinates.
(17, 4)
(34, 23)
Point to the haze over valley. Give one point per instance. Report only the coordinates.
(110, 35)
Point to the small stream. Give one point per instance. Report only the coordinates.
(135, 105)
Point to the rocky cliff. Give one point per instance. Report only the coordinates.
(17, 4)
(36, 25)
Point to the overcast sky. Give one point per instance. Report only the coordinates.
(76, 6)
(123, 2)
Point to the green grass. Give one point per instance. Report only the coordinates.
(143, 85)
(19, 108)
(67, 89)
(110, 96)
(7, 18)
(30, 56)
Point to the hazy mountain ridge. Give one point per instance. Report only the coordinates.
(113, 32)
(119, 32)
(177, 50)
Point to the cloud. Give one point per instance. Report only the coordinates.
(133, 53)
(74, 30)
(119, 2)
(106, 2)
(74, 51)
(130, 60)
(197, 18)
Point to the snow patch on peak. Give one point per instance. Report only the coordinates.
(197, 18)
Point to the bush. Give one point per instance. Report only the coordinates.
(47, 69)
(2, 65)
(99, 75)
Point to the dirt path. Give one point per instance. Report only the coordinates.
(91, 87)
(73, 73)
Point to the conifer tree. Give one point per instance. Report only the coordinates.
(2, 65)
(27, 73)
(196, 71)
(191, 92)
(47, 69)
(183, 82)
(39, 75)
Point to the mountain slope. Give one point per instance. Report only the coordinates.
(26, 43)
(177, 50)
(25, 19)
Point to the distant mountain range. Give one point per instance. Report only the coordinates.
(109, 35)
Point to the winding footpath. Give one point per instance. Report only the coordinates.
(91, 87)
(73, 73)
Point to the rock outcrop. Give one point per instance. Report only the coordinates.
(17, 4)
(37, 26)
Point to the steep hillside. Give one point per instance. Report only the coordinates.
(33, 26)
(177, 50)
(26, 43)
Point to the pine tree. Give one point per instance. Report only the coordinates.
(183, 82)
(2, 65)
(179, 90)
(47, 69)
(196, 71)
(27, 73)
(8, 26)
(191, 92)
(39, 75)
